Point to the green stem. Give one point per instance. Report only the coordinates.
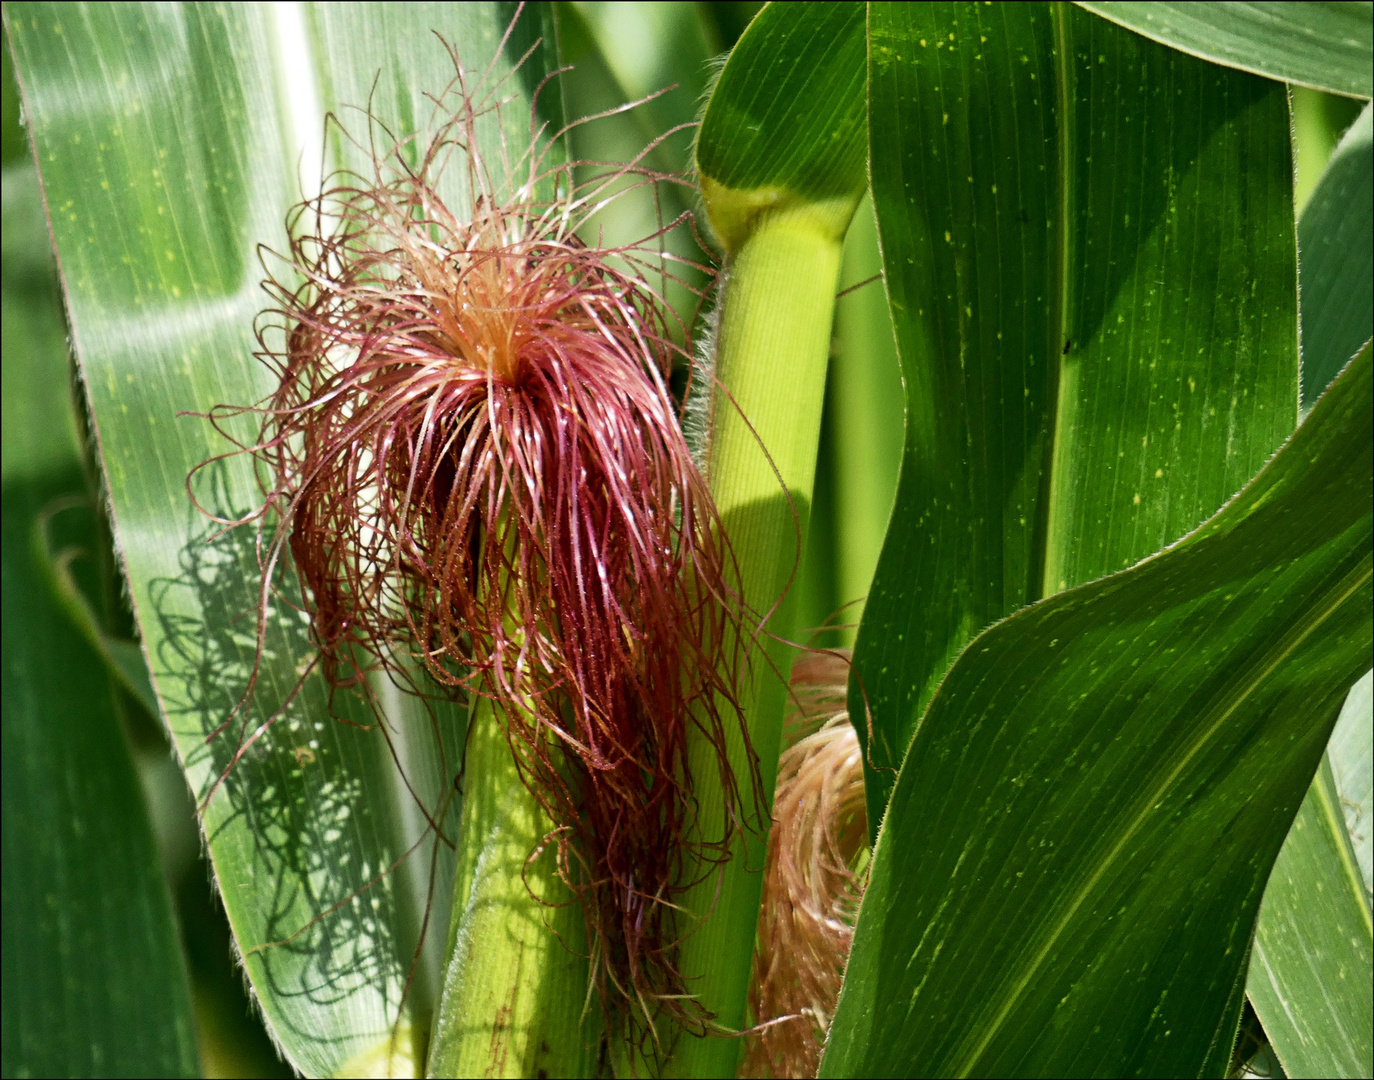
(516, 981)
(772, 347)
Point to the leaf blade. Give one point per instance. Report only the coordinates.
(1031, 323)
(785, 122)
(1351, 768)
(1313, 946)
(96, 980)
(1336, 237)
(164, 165)
(1286, 565)
(1322, 45)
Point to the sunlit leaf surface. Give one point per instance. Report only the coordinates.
(171, 141)
(1352, 766)
(1313, 936)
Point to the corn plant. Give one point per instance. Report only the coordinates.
(1024, 348)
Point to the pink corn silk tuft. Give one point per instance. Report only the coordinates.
(477, 461)
(810, 893)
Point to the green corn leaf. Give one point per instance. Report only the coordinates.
(171, 142)
(1327, 46)
(1352, 763)
(1098, 414)
(1096, 318)
(786, 119)
(1336, 238)
(1309, 973)
(864, 418)
(1312, 939)
(1312, 943)
(95, 982)
(1118, 766)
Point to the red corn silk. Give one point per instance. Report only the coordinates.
(476, 462)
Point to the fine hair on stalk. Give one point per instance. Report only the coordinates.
(474, 458)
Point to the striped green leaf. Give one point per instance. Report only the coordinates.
(95, 982)
(1309, 975)
(1324, 45)
(1336, 238)
(1089, 248)
(1116, 768)
(171, 142)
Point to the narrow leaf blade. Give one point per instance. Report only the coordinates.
(1351, 753)
(1326, 46)
(95, 982)
(1309, 972)
(1336, 238)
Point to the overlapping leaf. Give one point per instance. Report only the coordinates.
(1314, 930)
(1323, 45)
(1121, 762)
(1352, 767)
(1308, 978)
(1336, 238)
(1055, 195)
(95, 984)
(1047, 315)
(171, 142)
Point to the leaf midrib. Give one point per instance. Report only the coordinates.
(1145, 807)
